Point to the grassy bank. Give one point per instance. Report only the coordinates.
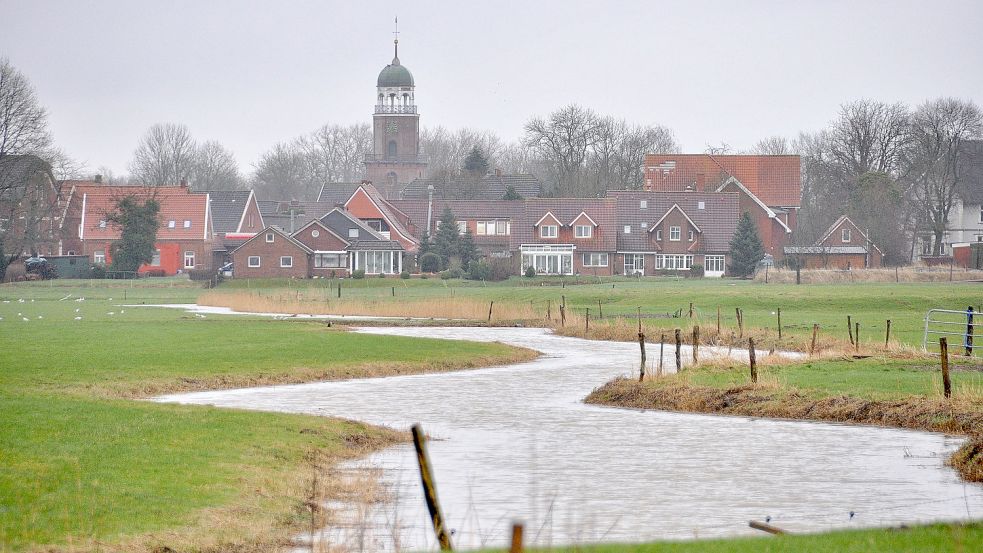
(894, 392)
(920, 539)
(84, 467)
(660, 299)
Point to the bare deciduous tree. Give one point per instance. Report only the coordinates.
(23, 121)
(447, 150)
(215, 168)
(166, 155)
(774, 146)
(282, 174)
(564, 140)
(335, 153)
(869, 137)
(939, 128)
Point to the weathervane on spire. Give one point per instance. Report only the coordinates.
(396, 38)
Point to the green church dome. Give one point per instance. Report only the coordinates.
(395, 75)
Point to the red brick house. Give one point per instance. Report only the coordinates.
(272, 253)
(185, 239)
(490, 221)
(29, 195)
(843, 246)
(770, 187)
(662, 232)
(565, 236)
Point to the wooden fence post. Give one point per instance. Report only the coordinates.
(812, 346)
(779, 323)
(752, 360)
(549, 315)
(563, 312)
(849, 328)
(887, 334)
(740, 322)
(490, 306)
(430, 489)
(587, 321)
(944, 357)
(641, 345)
(696, 344)
(718, 321)
(969, 331)
(662, 349)
(679, 347)
(516, 546)
(339, 290)
(690, 310)
(394, 291)
(856, 335)
(600, 313)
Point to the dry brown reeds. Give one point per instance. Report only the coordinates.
(840, 276)
(317, 303)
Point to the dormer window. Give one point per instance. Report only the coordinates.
(171, 224)
(269, 237)
(548, 231)
(583, 231)
(845, 235)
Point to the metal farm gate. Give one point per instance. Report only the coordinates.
(956, 326)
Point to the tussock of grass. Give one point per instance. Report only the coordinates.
(968, 460)
(837, 276)
(321, 302)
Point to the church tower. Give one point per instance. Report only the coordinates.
(396, 158)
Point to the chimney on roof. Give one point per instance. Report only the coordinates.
(184, 183)
(97, 179)
(366, 181)
(701, 181)
(340, 205)
(498, 172)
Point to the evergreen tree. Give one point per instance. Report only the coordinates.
(746, 249)
(467, 249)
(425, 245)
(447, 238)
(139, 224)
(476, 164)
(511, 193)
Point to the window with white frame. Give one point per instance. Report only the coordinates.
(701, 205)
(171, 224)
(329, 260)
(845, 235)
(253, 261)
(634, 264)
(981, 213)
(673, 262)
(675, 233)
(353, 233)
(286, 261)
(595, 260)
(583, 231)
(690, 236)
(269, 237)
(643, 204)
(376, 262)
(189, 260)
(493, 228)
(627, 229)
(462, 227)
(102, 224)
(187, 223)
(315, 233)
(99, 257)
(155, 261)
(548, 231)
(713, 263)
(658, 234)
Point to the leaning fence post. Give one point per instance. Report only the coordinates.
(752, 360)
(812, 346)
(944, 357)
(490, 306)
(430, 489)
(887, 334)
(696, 344)
(849, 328)
(969, 331)
(679, 347)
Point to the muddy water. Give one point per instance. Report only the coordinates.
(518, 443)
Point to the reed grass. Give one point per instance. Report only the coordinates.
(841, 276)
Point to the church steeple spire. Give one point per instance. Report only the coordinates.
(396, 42)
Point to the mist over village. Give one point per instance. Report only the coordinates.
(672, 276)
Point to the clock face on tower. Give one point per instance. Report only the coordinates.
(391, 128)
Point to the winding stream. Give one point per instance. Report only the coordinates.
(518, 443)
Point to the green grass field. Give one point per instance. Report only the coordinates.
(82, 462)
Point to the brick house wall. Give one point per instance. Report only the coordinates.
(325, 241)
(171, 254)
(269, 254)
(253, 220)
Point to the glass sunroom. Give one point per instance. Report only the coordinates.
(548, 259)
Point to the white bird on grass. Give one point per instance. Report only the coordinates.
(111, 313)
(40, 317)
(78, 318)
(77, 309)
(25, 319)
(20, 300)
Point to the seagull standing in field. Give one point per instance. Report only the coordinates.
(77, 309)
(40, 317)
(111, 313)
(25, 319)
(78, 318)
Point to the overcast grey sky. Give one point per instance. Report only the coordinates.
(250, 74)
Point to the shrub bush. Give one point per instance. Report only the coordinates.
(479, 270)
(97, 271)
(423, 276)
(451, 273)
(382, 275)
(696, 270)
(405, 275)
(359, 274)
(501, 268)
(155, 273)
(200, 274)
(530, 272)
(430, 262)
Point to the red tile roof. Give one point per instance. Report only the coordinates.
(775, 180)
(176, 204)
(566, 210)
